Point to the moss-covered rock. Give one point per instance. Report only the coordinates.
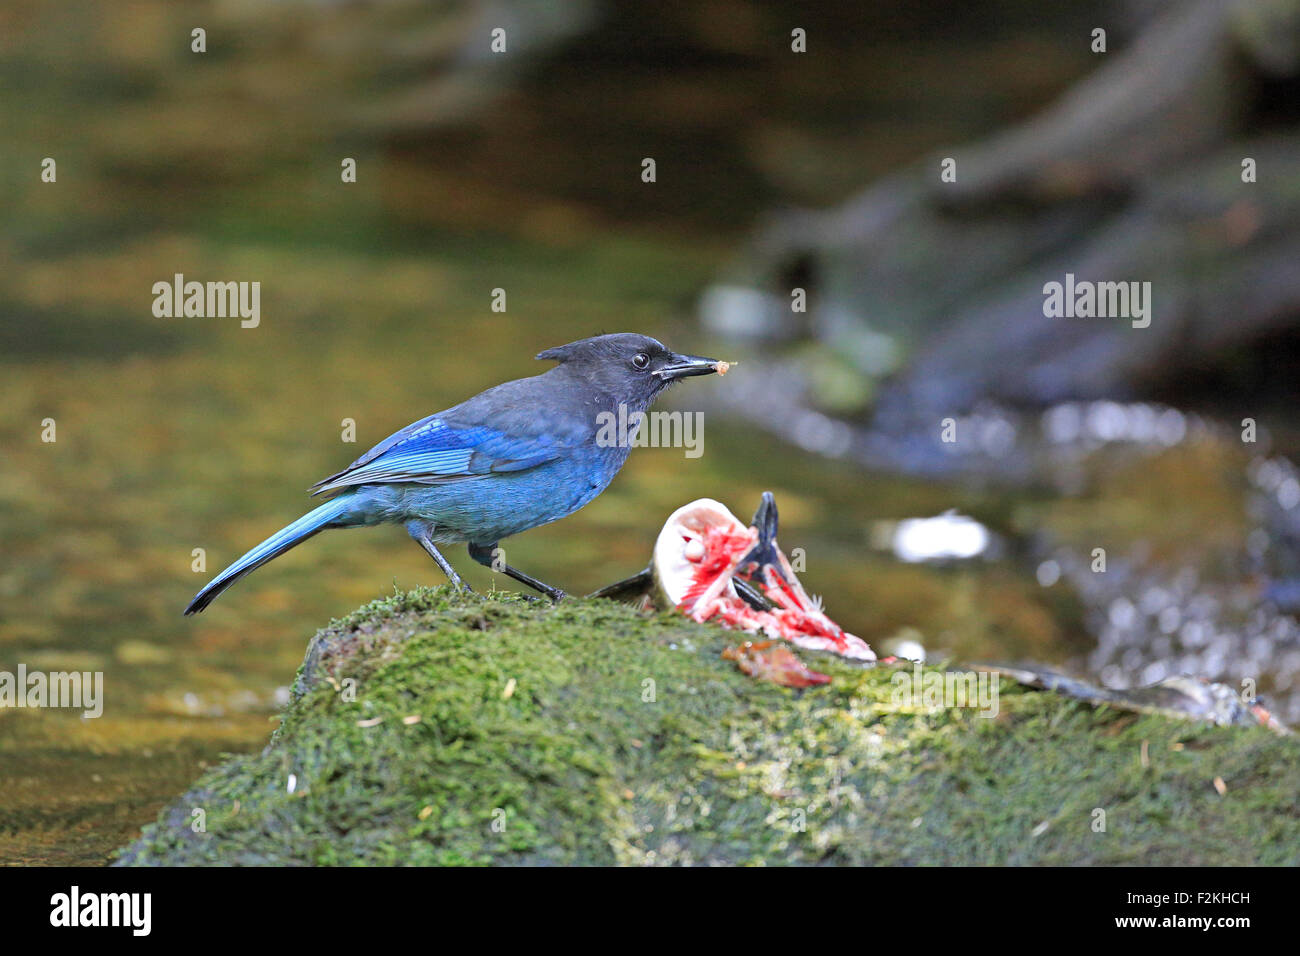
(431, 728)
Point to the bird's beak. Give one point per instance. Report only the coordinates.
(684, 366)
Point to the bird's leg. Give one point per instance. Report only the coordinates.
(422, 532)
(483, 555)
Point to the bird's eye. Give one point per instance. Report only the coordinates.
(640, 360)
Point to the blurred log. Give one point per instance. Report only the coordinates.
(934, 290)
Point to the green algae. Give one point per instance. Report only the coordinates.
(591, 733)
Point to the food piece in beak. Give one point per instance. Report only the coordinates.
(703, 549)
(684, 366)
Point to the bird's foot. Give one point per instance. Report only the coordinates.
(488, 556)
(554, 595)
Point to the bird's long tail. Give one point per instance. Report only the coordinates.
(313, 522)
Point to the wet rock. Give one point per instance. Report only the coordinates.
(506, 732)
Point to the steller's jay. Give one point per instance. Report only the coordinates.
(511, 458)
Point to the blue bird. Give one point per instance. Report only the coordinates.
(513, 457)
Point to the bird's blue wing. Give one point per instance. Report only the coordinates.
(433, 451)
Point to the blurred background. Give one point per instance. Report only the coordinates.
(776, 170)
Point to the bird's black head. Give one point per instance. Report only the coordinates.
(631, 367)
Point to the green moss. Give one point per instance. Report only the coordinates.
(626, 739)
